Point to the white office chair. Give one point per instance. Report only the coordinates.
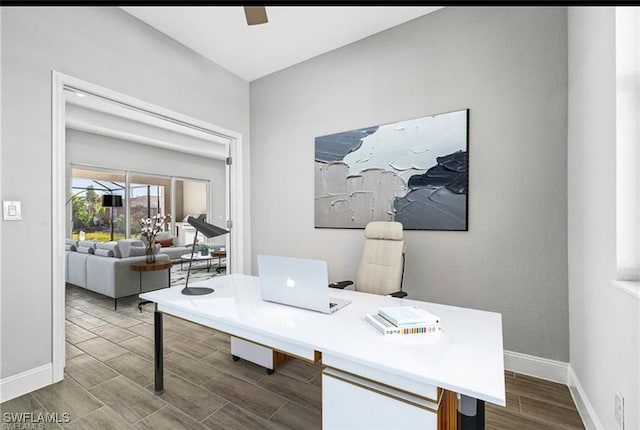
(381, 267)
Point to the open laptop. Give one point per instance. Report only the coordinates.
(298, 282)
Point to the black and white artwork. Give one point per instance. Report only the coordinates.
(413, 171)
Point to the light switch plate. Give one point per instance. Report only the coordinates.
(12, 211)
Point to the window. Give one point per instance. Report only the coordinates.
(191, 198)
(627, 149)
(141, 195)
(90, 217)
(148, 196)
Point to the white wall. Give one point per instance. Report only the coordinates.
(112, 49)
(508, 66)
(604, 321)
(192, 197)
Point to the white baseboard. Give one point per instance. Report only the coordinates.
(556, 371)
(539, 367)
(25, 382)
(585, 409)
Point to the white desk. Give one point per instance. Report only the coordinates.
(466, 358)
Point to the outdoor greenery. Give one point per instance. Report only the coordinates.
(86, 209)
(90, 216)
(100, 236)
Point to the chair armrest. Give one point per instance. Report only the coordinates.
(341, 284)
(398, 294)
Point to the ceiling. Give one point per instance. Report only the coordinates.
(292, 35)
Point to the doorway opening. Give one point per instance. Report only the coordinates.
(80, 107)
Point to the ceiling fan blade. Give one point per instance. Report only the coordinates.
(255, 15)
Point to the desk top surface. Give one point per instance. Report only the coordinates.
(466, 357)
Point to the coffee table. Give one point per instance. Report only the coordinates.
(196, 257)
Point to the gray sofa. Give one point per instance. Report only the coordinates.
(175, 250)
(105, 268)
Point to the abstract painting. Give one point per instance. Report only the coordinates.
(414, 172)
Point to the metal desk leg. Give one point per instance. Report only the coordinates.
(157, 353)
(470, 413)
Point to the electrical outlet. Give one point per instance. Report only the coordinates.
(619, 410)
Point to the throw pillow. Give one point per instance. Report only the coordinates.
(104, 252)
(165, 243)
(85, 250)
(110, 246)
(87, 243)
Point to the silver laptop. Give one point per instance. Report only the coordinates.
(298, 282)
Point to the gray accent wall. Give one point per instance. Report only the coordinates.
(509, 67)
(112, 49)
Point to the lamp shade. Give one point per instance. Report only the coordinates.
(209, 230)
(111, 201)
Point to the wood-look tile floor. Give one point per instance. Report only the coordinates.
(108, 381)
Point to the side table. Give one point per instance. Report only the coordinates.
(220, 254)
(150, 267)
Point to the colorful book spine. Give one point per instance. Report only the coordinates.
(385, 327)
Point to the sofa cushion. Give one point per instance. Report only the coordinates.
(77, 269)
(113, 247)
(137, 251)
(85, 250)
(69, 247)
(125, 244)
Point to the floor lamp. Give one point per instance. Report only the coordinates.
(111, 201)
(209, 230)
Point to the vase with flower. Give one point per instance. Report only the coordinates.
(150, 227)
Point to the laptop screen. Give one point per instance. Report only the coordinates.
(296, 282)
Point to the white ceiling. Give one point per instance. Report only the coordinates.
(292, 35)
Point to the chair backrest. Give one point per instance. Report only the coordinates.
(381, 264)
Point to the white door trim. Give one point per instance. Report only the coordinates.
(234, 205)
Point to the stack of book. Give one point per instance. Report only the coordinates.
(404, 320)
